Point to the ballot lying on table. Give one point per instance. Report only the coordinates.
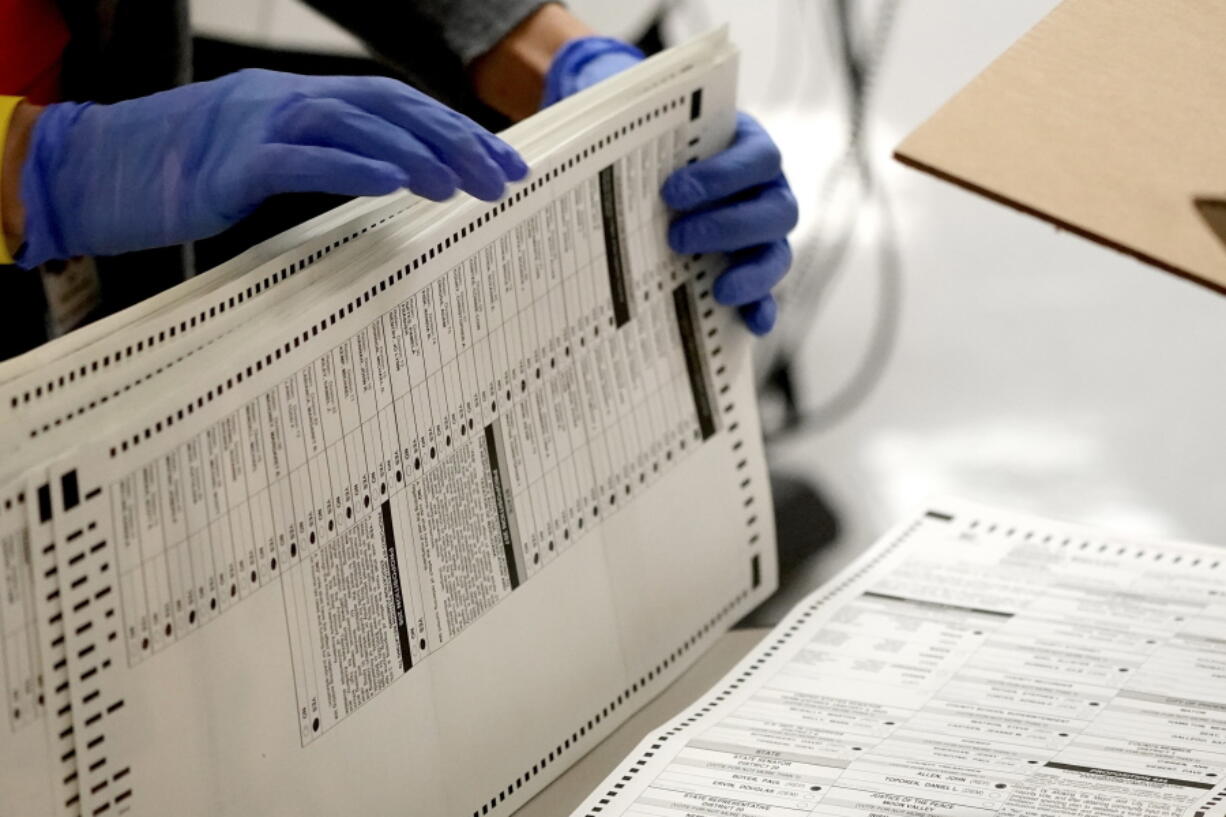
(972, 663)
(399, 512)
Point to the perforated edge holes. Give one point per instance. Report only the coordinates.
(114, 355)
(580, 735)
(274, 354)
(712, 701)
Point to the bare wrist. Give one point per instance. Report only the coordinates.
(510, 77)
(16, 147)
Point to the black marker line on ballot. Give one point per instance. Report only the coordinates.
(393, 567)
(615, 259)
(693, 361)
(937, 605)
(1130, 777)
(44, 502)
(506, 512)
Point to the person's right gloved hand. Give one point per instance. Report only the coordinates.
(737, 202)
(187, 163)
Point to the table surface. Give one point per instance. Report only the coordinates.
(568, 791)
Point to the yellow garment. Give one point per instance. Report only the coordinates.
(7, 105)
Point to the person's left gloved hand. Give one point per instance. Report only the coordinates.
(187, 163)
(737, 202)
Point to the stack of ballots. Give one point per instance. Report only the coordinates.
(401, 511)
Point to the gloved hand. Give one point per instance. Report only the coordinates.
(737, 202)
(187, 163)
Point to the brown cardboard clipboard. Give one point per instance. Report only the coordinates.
(1107, 119)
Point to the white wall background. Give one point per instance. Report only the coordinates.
(292, 24)
(271, 23)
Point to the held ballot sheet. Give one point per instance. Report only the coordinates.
(399, 513)
(972, 664)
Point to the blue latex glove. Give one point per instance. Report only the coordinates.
(187, 163)
(737, 202)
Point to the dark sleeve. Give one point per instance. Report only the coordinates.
(432, 42)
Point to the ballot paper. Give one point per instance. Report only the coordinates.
(401, 512)
(972, 663)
